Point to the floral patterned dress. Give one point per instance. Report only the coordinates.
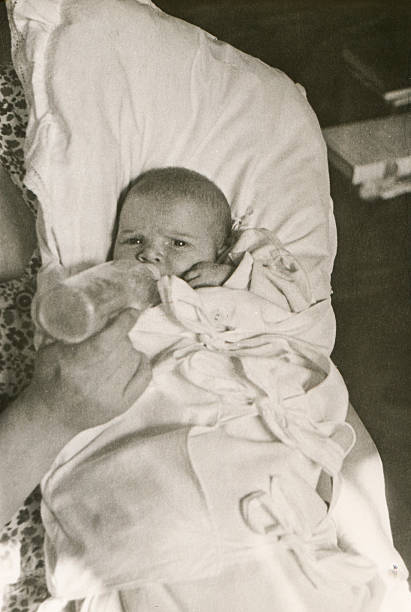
(24, 532)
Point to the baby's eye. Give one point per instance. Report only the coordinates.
(179, 243)
(133, 240)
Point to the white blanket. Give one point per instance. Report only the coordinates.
(217, 464)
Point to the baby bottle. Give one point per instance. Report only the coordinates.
(81, 305)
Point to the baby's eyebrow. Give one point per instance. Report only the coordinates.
(180, 235)
(129, 231)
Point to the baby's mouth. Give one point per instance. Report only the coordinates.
(154, 269)
(165, 270)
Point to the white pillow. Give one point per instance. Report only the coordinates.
(116, 87)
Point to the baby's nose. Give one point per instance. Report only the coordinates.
(150, 254)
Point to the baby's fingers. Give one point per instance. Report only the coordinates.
(202, 280)
(191, 274)
(195, 282)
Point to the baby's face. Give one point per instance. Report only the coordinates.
(174, 237)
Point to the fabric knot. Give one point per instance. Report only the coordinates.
(272, 514)
(292, 422)
(291, 412)
(215, 342)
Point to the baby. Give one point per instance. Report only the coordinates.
(172, 218)
(178, 220)
(228, 441)
(242, 415)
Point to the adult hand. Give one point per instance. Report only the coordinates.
(95, 380)
(74, 387)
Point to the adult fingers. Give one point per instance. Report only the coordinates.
(122, 324)
(115, 332)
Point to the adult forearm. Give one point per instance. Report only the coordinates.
(31, 437)
(74, 387)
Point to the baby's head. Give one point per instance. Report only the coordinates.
(173, 218)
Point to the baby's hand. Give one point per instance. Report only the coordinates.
(208, 274)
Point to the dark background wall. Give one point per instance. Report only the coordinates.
(371, 276)
(302, 37)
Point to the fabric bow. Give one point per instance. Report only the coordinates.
(295, 389)
(324, 563)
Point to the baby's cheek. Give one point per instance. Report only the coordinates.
(117, 252)
(182, 262)
(122, 253)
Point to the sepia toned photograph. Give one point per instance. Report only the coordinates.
(205, 265)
